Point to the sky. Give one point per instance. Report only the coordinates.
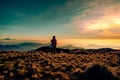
(67, 19)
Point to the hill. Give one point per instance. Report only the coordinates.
(38, 65)
(47, 49)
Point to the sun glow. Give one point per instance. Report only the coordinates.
(98, 26)
(103, 24)
(117, 21)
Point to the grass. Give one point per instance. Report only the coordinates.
(63, 66)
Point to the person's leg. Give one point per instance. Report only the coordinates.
(51, 49)
(54, 49)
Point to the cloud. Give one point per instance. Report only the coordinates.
(102, 46)
(99, 18)
(57, 13)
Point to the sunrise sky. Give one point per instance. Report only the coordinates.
(67, 19)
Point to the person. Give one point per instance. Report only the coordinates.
(53, 44)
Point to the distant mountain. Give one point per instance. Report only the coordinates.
(30, 46)
(6, 39)
(22, 46)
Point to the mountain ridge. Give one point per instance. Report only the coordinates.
(31, 46)
(21, 46)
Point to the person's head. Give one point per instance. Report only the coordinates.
(53, 37)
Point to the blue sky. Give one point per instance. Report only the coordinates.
(36, 19)
(33, 17)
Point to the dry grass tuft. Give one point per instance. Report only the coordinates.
(62, 66)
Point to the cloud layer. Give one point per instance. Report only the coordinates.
(99, 19)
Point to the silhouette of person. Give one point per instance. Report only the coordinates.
(54, 44)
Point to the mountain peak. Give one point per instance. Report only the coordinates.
(7, 39)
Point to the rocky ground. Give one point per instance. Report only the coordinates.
(63, 66)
